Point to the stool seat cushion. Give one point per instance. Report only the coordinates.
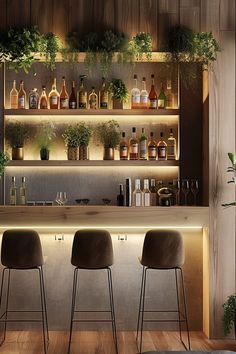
(21, 249)
(92, 249)
(163, 249)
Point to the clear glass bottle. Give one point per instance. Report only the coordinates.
(82, 94)
(162, 148)
(143, 145)
(93, 99)
(161, 102)
(133, 146)
(144, 95)
(13, 191)
(14, 96)
(72, 99)
(54, 96)
(22, 200)
(21, 96)
(33, 99)
(152, 148)
(135, 94)
(146, 193)
(64, 97)
(171, 146)
(137, 194)
(124, 148)
(103, 95)
(169, 95)
(43, 101)
(153, 95)
(153, 201)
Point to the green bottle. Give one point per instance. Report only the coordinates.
(161, 101)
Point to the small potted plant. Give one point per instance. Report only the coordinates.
(108, 134)
(85, 133)
(71, 138)
(119, 93)
(44, 137)
(16, 135)
(4, 159)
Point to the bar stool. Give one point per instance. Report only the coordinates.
(21, 250)
(163, 250)
(92, 250)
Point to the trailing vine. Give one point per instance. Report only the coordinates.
(50, 47)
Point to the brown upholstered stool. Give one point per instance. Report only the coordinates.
(21, 250)
(92, 250)
(163, 250)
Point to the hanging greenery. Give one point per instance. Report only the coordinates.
(229, 317)
(4, 159)
(50, 46)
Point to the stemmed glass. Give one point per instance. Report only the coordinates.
(194, 189)
(176, 185)
(185, 189)
(61, 198)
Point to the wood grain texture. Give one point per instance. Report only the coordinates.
(205, 139)
(127, 16)
(227, 15)
(60, 18)
(81, 16)
(104, 16)
(18, 13)
(168, 6)
(45, 22)
(190, 17)
(148, 20)
(3, 14)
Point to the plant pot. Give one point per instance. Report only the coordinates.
(17, 153)
(44, 154)
(108, 154)
(117, 104)
(83, 152)
(73, 153)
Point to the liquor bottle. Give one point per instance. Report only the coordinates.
(161, 102)
(152, 148)
(128, 192)
(21, 96)
(135, 94)
(33, 99)
(143, 145)
(153, 95)
(72, 99)
(146, 193)
(64, 97)
(124, 148)
(103, 95)
(43, 102)
(22, 200)
(137, 194)
(133, 146)
(82, 94)
(93, 99)
(14, 96)
(54, 96)
(153, 201)
(144, 95)
(171, 146)
(13, 190)
(162, 148)
(169, 94)
(120, 196)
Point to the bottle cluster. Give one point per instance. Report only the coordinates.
(14, 197)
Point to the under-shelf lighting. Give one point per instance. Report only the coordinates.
(195, 227)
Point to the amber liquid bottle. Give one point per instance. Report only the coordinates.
(21, 96)
(14, 96)
(72, 99)
(43, 101)
(153, 95)
(133, 146)
(152, 148)
(54, 96)
(162, 148)
(103, 95)
(124, 148)
(64, 97)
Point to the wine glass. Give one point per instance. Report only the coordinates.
(176, 185)
(194, 189)
(58, 198)
(63, 198)
(185, 190)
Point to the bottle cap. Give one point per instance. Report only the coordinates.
(23, 179)
(144, 78)
(134, 130)
(143, 130)
(171, 131)
(13, 179)
(153, 182)
(135, 76)
(152, 76)
(121, 188)
(151, 134)
(137, 183)
(162, 134)
(123, 134)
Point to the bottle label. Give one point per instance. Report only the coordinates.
(153, 103)
(123, 152)
(135, 99)
(72, 105)
(134, 148)
(138, 199)
(104, 100)
(143, 99)
(64, 102)
(21, 102)
(82, 99)
(33, 102)
(162, 151)
(143, 149)
(146, 199)
(54, 100)
(171, 151)
(152, 152)
(93, 102)
(161, 103)
(43, 103)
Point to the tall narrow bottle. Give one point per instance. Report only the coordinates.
(21, 96)
(64, 97)
(82, 94)
(124, 148)
(93, 99)
(43, 101)
(162, 148)
(14, 96)
(135, 94)
(144, 95)
(171, 146)
(103, 95)
(22, 192)
(128, 192)
(133, 146)
(72, 99)
(13, 191)
(152, 148)
(120, 196)
(153, 201)
(143, 145)
(146, 193)
(33, 99)
(161, 102)
(169, 95)
(153, 95)
(137, 194)
(54, 96)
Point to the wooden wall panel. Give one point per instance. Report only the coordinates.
(168, 15)
(3, 17)
(81, 16)
(190, 17)
(104, 15)
(148, 19)
(18, 13)
(127, 16)
(168, 6)
(227, 15)
(60, 18)
(45, 22)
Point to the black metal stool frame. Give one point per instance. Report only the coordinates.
(142, 307)
(111, 311)
(43, 310)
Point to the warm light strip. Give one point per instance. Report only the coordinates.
(102, 227)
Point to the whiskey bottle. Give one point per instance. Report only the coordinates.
(169, 95)
(64, 97)
(13, 190)
(171, 146)
(153, 201)
(124, 148)
(144, 95)
(162, 148)
(93, 99)
(146, 193)
(137, 194)
(161, 102)
(72, 99)
(54, 96)
(43, 102)
(143, 145)
(135, 94)
(33, 99)
(22, 200)
(133, 146)
(153, 95)
(120, 196)
(14, 96)
(21, 96)
(152, 148)
(103, 95)
(82, 94)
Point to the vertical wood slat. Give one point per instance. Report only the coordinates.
(148, 20)
(190, 14)
(81, 16)
(60, 18)
(42, 14)
(227, 15)
(104, 15)
(168, 6)
(168, 15)
(127, 16)
(3, 19)
(18, 13)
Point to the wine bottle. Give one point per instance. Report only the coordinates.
(14, 96)
(72, 99)
(124, 148)
(93, 99)
(143, 145)
(162, 148)
(135, 94)
(137, 194)
(152, 148)
(23, 192)
(144, 95)
(64, 97)
(103, 95)
(33, 99)
(82, 94)
(153, 95)
(171, 146)
(161, 102)
(22, 96)
(146, 193)
(54, 96)
(43, 102)
(13, 191)
(120, 196)
(133, 146)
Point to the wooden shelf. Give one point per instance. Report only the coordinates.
(102, 163)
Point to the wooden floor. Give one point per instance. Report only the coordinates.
(101, 343)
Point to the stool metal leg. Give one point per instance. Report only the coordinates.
(185, 307)
(112, 307)
(45, 304)
(1, 295)
(42, 311)
(140, 302)
(178, 303)
(7, 302)
(75, 280)
(143, 309)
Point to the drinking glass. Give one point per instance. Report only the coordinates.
(185, 190)
(194, 189)
(176, 185)
(58, 198)
(63, 198)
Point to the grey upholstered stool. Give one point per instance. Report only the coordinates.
(21, 250)
(163, 250)
(92, 250)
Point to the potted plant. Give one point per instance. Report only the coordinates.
(16, 135)
(119, 93)
(71, 138)
(4, 159)
(229, 317)
(85, 133)
(108, 134)
(44, 137)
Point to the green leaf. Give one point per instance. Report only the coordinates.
(232, 158)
